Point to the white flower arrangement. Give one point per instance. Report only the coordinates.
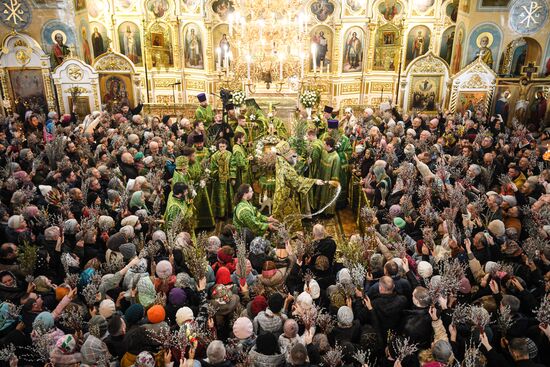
(252, 117)
(213, 149)
(309, 98)
(238, 98)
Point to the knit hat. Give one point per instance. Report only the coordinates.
(159, 235)
(345, 316)
(314, 289)
(146, 291)
(258, 304)
(134, 314)
(156, 314)
(242, 328)
(496, 227)
(107, 308)
(98, 326)
(184, 314)
(66, 344)
(395, 210)
(215, 352)
(223, 276)
(221, 294)
(425, 269)
(442, 351)
(130, 220)
(115, 241)
(128, 251)
(258, 245)
(298, 354)
(105, 223)
(491, 267)
(164, 269)
(43, 321)
(128, 231)
(145, 359)
(115, 325)
(177, 297)
(399, 222)
(61, 291)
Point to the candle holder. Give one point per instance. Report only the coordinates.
(250, 86)
(279, 85)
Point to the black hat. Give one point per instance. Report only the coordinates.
(165, 119)
(328, 109)
(199, 138)
(229, 106)
(201, 97)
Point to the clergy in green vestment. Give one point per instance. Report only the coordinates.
(246, 215)
(241, 127)
(329, 170)
(222, 191)
(180, 173)
(179, 205)
(344, 150)
(288, 186)
(240, 162)
(204, 112)
(201, 201)
(201, 153)
(316, 149)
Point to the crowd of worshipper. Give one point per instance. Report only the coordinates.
(136, 240)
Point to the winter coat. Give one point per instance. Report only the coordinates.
(261, 360)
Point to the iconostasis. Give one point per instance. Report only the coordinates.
(355, 52)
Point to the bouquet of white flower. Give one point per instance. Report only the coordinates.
(309, 98)
(238, 98)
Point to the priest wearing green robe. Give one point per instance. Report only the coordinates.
(240, 162)
(204, 112)
(288, 186)
(201, 201)
(329, 170)
(222, 191)
(344, 149)
(179, 205)
(246, 215)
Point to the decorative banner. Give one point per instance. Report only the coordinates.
(15, 14)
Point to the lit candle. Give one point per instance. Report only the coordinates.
(219, 61)
(314, 57)
(321, 67)
(248, 61)
(226, 57)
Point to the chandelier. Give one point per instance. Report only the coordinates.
(272, 40)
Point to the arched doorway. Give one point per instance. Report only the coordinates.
(519, 53)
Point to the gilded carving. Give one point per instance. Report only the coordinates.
(428, 64)
(112, 62)
(350, 88)
(74, 73)
(196, 85)
(475, 82)
(95, 93)
(20, 43)
(165, 99)
(22, 56)
(164, 83)
(381, 86)
(79, 90)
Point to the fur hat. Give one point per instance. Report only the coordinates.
(107, 308)
(164, 269)
(184, 314)
(128, 251)
(242, 328)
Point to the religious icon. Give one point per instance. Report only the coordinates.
(193, 48)
(320, 37)
(418, 42)
(225, 47)
(457, 51)
(447, 41)
(130, 42)
(322, 9)
(471, 101)
(28, 88)
(190, 6)
(59, 50)
(452, 11)
(519, 59)
(355, 5)
(158, 7)
(223, 7)
(99, 39)
(423, 5)
(389, 9)
(537, 109)
(484, 42)
(115, 90)
(502, 105)
(425, 93)
(353, 50)
(125, 4)
(86, 47)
